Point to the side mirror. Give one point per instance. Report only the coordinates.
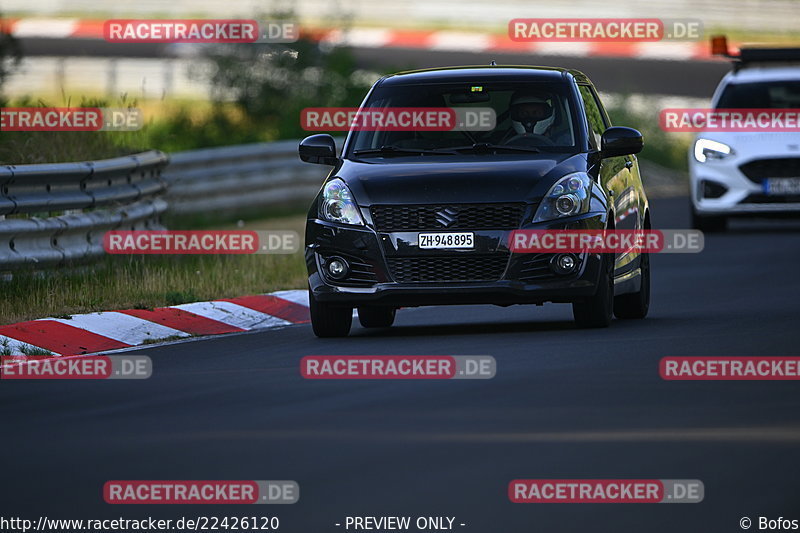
(617, 141)
(320, 149)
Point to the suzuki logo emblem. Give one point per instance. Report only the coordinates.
(447, 216)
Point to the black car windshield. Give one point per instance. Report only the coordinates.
(761, 95)
(527, 118)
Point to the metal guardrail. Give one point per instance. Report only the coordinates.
(240, 178)
(90, 199)
(133, 192)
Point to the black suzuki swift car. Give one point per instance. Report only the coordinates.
(411, 218)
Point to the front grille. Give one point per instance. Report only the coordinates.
(448, 268)
(447, 216)
(757, 171)
(771, 199)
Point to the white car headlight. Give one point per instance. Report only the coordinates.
(705, 149)
(569, 196)
(337, 205)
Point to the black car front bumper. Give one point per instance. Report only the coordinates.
(390, 269)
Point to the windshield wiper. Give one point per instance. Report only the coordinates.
(389, 149)
(487, 147)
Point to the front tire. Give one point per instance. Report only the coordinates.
(328, 320)
(597, 311)
(376, 317)
(636, 305)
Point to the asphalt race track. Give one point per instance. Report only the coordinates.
(565, 403)
(625, 75)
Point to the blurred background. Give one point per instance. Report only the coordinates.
(52, 53)
(197, 96)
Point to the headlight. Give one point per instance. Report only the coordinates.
(569, 196)
(705, 149)
(337, 204)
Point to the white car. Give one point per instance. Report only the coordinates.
(748, 173)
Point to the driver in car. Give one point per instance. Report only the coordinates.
(531, 119)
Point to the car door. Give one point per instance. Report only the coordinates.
(614, 173)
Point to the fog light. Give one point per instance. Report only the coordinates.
(337, 268)
(711, 189)
(564, 263)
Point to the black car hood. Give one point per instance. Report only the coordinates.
(442, 181)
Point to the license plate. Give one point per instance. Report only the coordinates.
(429, 241)
(782, 186)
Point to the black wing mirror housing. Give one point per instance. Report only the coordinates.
(617, 141)
(319, 149)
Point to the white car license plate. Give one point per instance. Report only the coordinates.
(782, 186)
(446, 240)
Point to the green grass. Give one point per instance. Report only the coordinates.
(666, 149)
(170, 126)
(32, 148)
(165, 339)
(146, 282)
(28, 148)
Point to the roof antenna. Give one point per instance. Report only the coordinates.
(493, 63)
